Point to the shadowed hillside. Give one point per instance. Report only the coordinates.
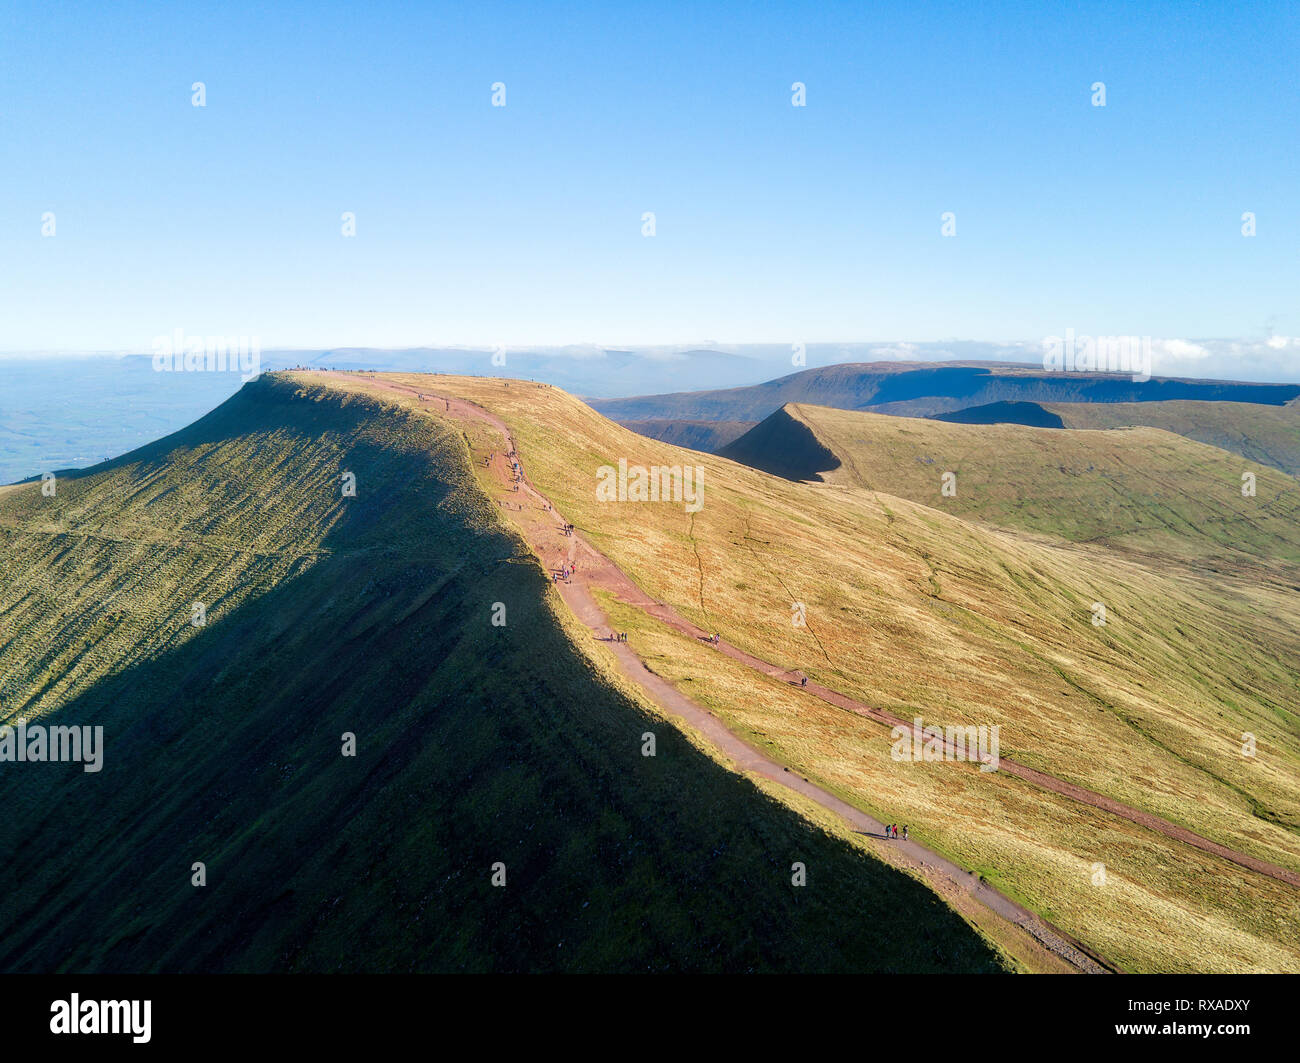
(783, 445)
(1031, 414)
(923, 612)
(475, 743)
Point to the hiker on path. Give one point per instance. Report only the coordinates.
(904, 832)
(889, 831)
(895, 830)
(803, 681)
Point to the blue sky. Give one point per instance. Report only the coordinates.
(522, 224)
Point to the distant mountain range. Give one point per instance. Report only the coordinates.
(924, 390)
(61, 412)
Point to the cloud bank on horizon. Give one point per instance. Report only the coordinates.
(608, 371)
(1271, 359)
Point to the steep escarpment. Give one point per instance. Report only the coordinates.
(353, 750)
(783, 445)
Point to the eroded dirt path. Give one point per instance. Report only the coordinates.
(1048, 947)
(543, 529)
(598, 570)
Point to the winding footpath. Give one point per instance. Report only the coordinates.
(543, 530)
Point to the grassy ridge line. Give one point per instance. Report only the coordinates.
(1042, 947)
(1143, 489)
(887, 447)
(476, 743)
(1009, 614)
(1269, 435)
(977, 587)
(1144, 467)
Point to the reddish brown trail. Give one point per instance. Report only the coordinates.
(543, 528)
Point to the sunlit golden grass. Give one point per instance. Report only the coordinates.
(134, 540)
(368, 617)
(1142, 489)
(1029, 843)
(925, 613)
(1267, 434)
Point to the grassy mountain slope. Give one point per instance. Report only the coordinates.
(923, 612)
(475, 743)
(1269, 435)
(1143, 488)
(919, 389)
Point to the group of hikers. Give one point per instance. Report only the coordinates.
(891, 831)
(568, 529)
(566, 571)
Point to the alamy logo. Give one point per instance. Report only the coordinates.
(211, 354)
(658, 483)
(102, 1016)
(1104, 354)
(978, 745)
(39, 744)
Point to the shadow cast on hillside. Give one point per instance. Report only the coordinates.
(476, 745)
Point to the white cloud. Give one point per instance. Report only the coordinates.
(1178, 350)
(896, 352)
